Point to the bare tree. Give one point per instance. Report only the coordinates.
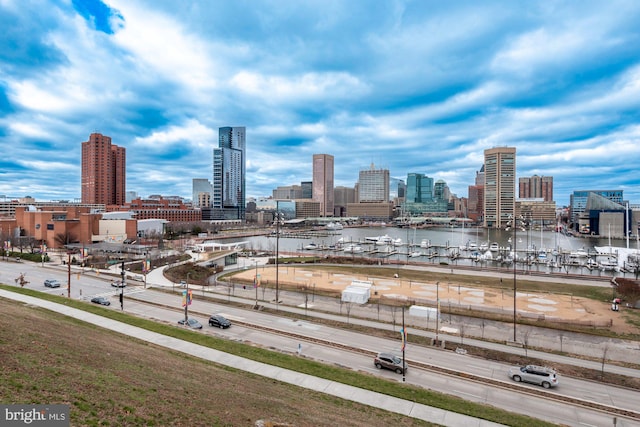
(21, 280)
(63, 239)
(462, 331)
(348, 306)
(525, 341)
(605, 350)
(561, 336)
(393, 310)
(482, 325)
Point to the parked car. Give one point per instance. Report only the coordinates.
(192, 323)
(118, 284)
(52, 283)
(390, 361)
(100, 300)
(546, 377)
(219, 321)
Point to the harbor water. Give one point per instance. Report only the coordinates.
(535, 250)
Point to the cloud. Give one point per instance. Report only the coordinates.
(410, 86)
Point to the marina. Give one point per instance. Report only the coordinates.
(541, 251)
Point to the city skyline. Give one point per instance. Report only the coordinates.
(412, 87)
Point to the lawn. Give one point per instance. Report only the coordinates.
(109, 379)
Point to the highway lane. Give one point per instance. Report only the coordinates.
(530, 403)
(540, 408)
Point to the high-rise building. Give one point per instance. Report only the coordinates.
(373, 185)
(475, 204)
(202, 193)
(307, 189)
(323, 183)
(419, 188)
(499, 186)
(536, 187)
(441, 190)
(288, 192)
(103, 171)
(229, 167)
(342, 197)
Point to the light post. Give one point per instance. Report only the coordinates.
(68, 274)
(512, 224)
(256, 281)
(437, 310)
(122, 286)
(277, 251)
(186, 302)
(146, 267)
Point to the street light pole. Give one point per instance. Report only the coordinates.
(437, 310)
(186, 302)
(514, 281)
(122, 286)
(255, 283)
(277, 250)
(69, 275)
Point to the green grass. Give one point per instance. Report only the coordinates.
(298, 364)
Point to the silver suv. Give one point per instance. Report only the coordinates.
(546, 377)
(390, 361)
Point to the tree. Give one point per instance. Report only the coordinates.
(605, 350)
(628, 289)
(63, 239)
(525, 341)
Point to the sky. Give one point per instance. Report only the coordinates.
(411, 86)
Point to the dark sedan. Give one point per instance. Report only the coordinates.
(101, 301)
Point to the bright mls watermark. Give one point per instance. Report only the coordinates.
(34, 415)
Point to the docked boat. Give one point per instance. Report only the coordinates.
(580, 253)
(334, 226)
(311, 246)
(494, 247)
(542, 256)
(353, 248)
(384, 240)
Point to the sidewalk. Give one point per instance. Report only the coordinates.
(339, 390)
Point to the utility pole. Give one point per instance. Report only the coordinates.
(437, 310)
(186, 302)
(122, 286)
(277, 250)
(69, 275)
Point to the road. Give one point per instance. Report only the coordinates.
(137, 300)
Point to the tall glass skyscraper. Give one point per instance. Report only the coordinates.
(419, 188)
(229, 168)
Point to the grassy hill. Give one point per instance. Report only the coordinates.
(112, 380)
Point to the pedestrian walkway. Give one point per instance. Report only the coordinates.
(343, 391)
